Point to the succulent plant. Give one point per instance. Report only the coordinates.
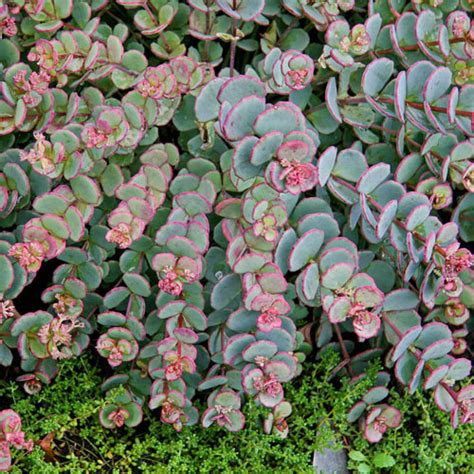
(193, 183)
(11, 436)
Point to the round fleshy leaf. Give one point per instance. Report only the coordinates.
(416, 377)
(443, 398)
(405, 342)
(249, 263)
(376, 75)
(386, 217)
(375, 395)
(459, 369)
(259, 349)
(435, 377)
(326, 164)
(339, 310)
(432, 333)
(336, 276)
(137, 284)
(417, 216)
(331, 100)
(7, 273)
(356, 412)
(239, 120)
(310, 281)
(373, 177)
(438, 349)
(405, 367)
(305, 249)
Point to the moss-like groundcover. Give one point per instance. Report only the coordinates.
(63, 416)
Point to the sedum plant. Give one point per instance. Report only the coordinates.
(205, 192)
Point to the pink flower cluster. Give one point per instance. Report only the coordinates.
(456, 261)
(378, 420)
(30, 255)
(174, 278)
(271, 308)
(11, 436)
(7, 309)
(31, 89)
(176, 364)
(298, 177)
(361, 306)
(57, 335)
(119, 416)
(8, 26)
(44, 157)
(168, 81)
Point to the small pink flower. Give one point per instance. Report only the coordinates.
(173, 287)
(466, 408)
(298, 177)
(189, 275)
(158, 83)
(20, 82)
(360, 39)
(66, 305)
(8, 26)
(456, 261)
(222, 417)
(460, 26)
(269, 385)
(40, 82)
(45, 54)
(266, 228)
(117, 350)
(366, 324)
(173, 415)
(7, 309)
(173, 371)
(120, 235)
(269, 320)
(468, 179)
(345, 44)
(17, 440)
(119, 416)
(93, 137)
(115, 357)
(30, 255)
(44, 157)
(379, 419)
(177, 364)
(57, 336)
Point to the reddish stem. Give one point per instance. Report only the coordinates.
(379, 208)
(346, 355)
(415, 105)
(415, 47)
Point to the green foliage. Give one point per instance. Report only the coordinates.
(68, 408)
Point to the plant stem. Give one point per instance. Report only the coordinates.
(233, 47)
(415, 47)
(410, 103)
(346, 355)
(379, 208)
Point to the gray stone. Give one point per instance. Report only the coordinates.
(328, 461)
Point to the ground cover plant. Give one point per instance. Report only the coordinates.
(200, 194)
(62, 418)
